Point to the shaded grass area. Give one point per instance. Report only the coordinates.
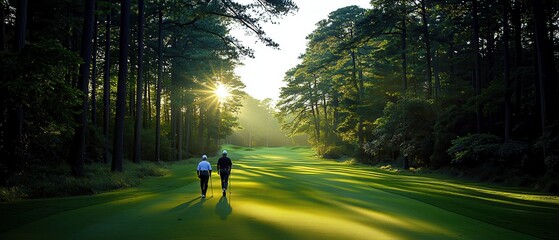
(132, 183)
(512, 208)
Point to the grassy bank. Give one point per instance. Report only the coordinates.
(56, 181)
(133, 183)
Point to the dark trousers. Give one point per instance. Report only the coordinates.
(224, 175)
(204, 183)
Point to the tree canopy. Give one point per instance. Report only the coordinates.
(162, 63)
(431, 83)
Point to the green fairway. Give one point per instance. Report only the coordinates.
(286, 193)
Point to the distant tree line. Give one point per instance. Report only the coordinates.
(259, 127)
(102, 81)
(432, 83)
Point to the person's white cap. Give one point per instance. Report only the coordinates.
(204, 157)
(224, 152)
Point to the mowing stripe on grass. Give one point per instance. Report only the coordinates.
(285, 193)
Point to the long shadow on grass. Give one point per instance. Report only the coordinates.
(301, 182)
(223, 209)
(283, 192)
(495, 206)
(491, 205)
(185, 206)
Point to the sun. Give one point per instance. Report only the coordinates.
(222, 92)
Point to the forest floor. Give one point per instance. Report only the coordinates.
(287, 193)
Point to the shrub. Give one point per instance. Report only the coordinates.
(451, 122)
(405, 127)
(549, 146)
(552, 162)
(56, 181)
(474, 148)
(512, 151)
(333, 152)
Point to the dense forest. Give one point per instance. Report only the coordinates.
(425, 83)
(419, 83)
(87, 81)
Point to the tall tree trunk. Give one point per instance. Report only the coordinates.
(73, 39)
(132, 84)
(490, 57)
(311, 87)
(15, 122)
(477, 62)
(107, 85)
(175, 106)
(138, 126)
(326, 123)
(336, 115)
(167, 111)
(437, 78)
(361, 103)
(202, 127)
(78, 154)
(179, 126)
(158, 88)
(118, 144)
(3, 132)
(145, 107)
(188, 125)
(548, 91)
(2, 27)
(316, 130)
(94, 71)
(149, 105)
(21, 24)
(404, 36)
(506, 69)
(516, 21)
(537, 90)
(14, 114)
(359, 98)
(427, 40)
(316, 108)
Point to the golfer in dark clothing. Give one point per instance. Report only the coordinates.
(224, 166)
(204, 170)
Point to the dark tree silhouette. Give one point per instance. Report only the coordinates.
(83, 83)
(138, 124)
(107, 85)
(159, 85)
(118, 144)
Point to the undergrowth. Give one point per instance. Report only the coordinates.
(57, 181)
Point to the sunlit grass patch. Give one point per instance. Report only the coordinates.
(304, 170)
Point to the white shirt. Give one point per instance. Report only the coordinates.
(204, 166)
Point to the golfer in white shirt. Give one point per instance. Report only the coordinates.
(204, 171)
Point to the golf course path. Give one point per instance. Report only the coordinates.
(276, 193)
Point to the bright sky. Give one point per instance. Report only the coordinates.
(263, 74)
